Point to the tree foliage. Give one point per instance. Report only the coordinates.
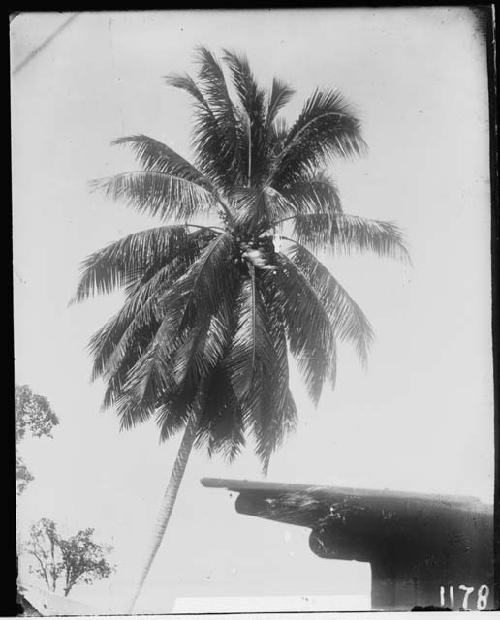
(69, 561)
(218, 309)
(34, 415)
(23, 475)
(35, 418)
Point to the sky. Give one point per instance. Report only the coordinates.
(418, 418)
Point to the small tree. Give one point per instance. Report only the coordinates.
(35, 417)
(78, 559)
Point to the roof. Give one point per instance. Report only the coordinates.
(367, 522)
(335, 493)
(419, 539)
(50, 604)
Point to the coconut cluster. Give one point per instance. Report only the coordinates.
(259, 251)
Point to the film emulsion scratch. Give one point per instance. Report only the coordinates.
(253, 317)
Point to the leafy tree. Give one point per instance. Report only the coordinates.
(212, 312)
(74, 560)
(34, 417)
(23, 475)
(33, 414)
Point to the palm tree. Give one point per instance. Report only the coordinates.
(211, 312)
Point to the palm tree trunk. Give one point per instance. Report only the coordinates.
(168, 501)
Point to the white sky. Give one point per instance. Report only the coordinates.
(419, 418)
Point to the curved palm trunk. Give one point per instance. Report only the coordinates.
(168, 501)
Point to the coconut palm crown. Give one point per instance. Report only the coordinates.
(211, 313)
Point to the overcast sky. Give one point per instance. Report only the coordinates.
(420, 417)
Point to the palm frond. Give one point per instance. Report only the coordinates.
(253, 153)
(344, 234)
(249, 361)
(158, 193)
(155, 156)
(216, 126)
(143, 308)
(251, 339)
(200, 361)
(346, 318)
(118, 263)
(132, 357)
(282, 422)
(256, 210)
(257, 366)
(221, 428)
(326, 127)
(171, 416)
(279, 96)
(251, 96)
(204, 346)
(146, 309)
(276, 136)
(309, 332)
(212, 275)
(186, 82)
(279, 206)
(191, 339)
(110, 344)
(216, 93)
(140, 279)
(314, 192)
(252, 210)
(141, 392)
(279, 416)
(116, 391)
(196, 294)
(215, 88)
(188, 364)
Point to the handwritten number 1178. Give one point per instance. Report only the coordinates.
(482, 596)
